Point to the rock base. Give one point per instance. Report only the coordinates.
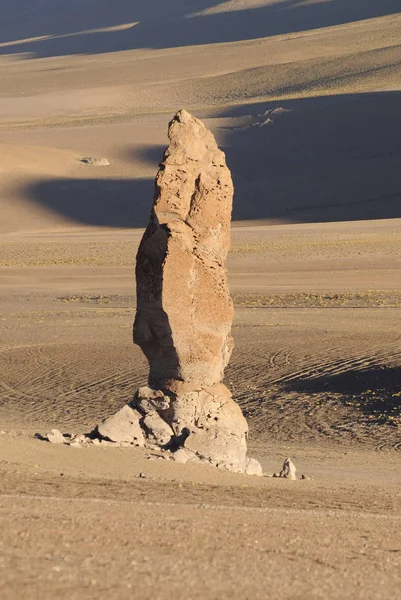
(194, 422)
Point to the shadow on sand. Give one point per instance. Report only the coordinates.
(123, 203)
(315, 160)
(56, 28)
(374, 391)
(321, 159)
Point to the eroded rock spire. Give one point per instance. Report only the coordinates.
(184, 309)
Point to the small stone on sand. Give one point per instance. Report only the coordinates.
(253, 467)
(75, 444)
(95, 162)
(182, 456)
(56, 437)
(288, 471)
(123, 426)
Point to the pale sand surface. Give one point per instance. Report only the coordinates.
(304, 98)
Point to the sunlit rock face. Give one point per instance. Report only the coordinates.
(184, 309)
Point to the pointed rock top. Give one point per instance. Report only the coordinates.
(183, 116)
(190, 140)
(194, 184)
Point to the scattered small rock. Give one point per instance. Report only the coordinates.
(181, 456)
(94, 162)
(142, 475)
(123, 426)
(75, 444)
(253, 467)
(106, 443)
(303, 476)
(80, 438)
(149, 400)
(158, 431)
(55, 437)
(288, 471)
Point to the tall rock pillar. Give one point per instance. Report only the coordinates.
(184, 309)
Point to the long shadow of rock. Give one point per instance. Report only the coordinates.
(98, 202)
(321, 159)
(147, 154)
(76, 27)
(374, 391)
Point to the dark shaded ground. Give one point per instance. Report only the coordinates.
(98, 202)
(374, 380)
(322, 159)
(330, 159)
(376, 391)
(162, 24)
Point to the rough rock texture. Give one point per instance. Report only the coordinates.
(253, 467)
(158, 431)
(56, 437)
(182, 456)
(124, 426)
(184, 309)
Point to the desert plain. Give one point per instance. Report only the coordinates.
(304, 99)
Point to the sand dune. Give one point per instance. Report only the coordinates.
(52, 28)
(317, 111)
(312, 160)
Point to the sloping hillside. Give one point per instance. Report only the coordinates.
(308, 117)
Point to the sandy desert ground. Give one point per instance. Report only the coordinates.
(304, 98)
